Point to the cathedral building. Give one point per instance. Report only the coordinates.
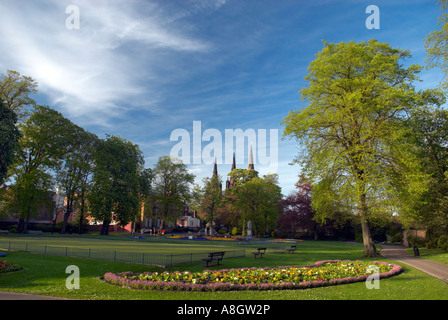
(230, 183)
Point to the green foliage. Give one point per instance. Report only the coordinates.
(430, 136)
(436, 44)
(116, 182)
(356, 152)
(211, 197)
(9, 136)
(258, 199)
(31, 191)
(443, 242)
(395, 238)
(416, 240)
(15, 91)
(171, 185)
(73, 173)
(241, 176)
(41, 148)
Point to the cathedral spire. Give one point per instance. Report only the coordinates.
(230, 183)
(251, 159)
(215, 169)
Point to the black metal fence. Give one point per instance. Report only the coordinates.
(163, 260)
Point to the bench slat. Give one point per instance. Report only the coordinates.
(259, 252)
(218, 256)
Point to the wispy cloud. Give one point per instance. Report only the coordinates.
(98, 71)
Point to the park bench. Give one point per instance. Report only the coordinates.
(214, 256)
(4, 232)
(291, 249)
(259, 253)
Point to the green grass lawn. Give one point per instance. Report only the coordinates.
(45, 275)
(123, 243)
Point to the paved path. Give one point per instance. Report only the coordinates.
(8, 295)
(400, 254)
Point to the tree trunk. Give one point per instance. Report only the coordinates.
(21, 226)
(369, 246)
(105, 228)
(161, 226)
(67, 213)
(81, 217)
(26, 220)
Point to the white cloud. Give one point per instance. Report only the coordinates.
(92, 72)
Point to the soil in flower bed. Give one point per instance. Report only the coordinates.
(322, 273)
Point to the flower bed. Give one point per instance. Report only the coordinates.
(322, 273)
(8, 267)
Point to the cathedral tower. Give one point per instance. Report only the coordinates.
(251, 160)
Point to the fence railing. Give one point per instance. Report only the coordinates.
(163, 260)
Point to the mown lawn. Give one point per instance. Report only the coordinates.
(45, 275)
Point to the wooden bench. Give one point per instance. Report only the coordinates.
(214, 256)
(259, 253)
(4, 231)
(291, 249)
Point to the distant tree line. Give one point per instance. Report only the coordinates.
(252, 198)
(42, 151)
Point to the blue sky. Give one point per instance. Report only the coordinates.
(141, 69)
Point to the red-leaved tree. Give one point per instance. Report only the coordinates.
(297, 214)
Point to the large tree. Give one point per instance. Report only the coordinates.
(430, 132)
(41, 149)
(114, 194)
(171, 186)
(259, 201)
(75, 169)
(297, 213)
(211, 198)
(353, 133)
(255, 199)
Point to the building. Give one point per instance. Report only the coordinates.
(45, 213)
(230, 183)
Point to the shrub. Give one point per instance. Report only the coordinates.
(443, 242)
(398, 237)
(358, 237)
(416, 241)
(395, 238)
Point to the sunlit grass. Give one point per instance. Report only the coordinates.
(45, 275)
